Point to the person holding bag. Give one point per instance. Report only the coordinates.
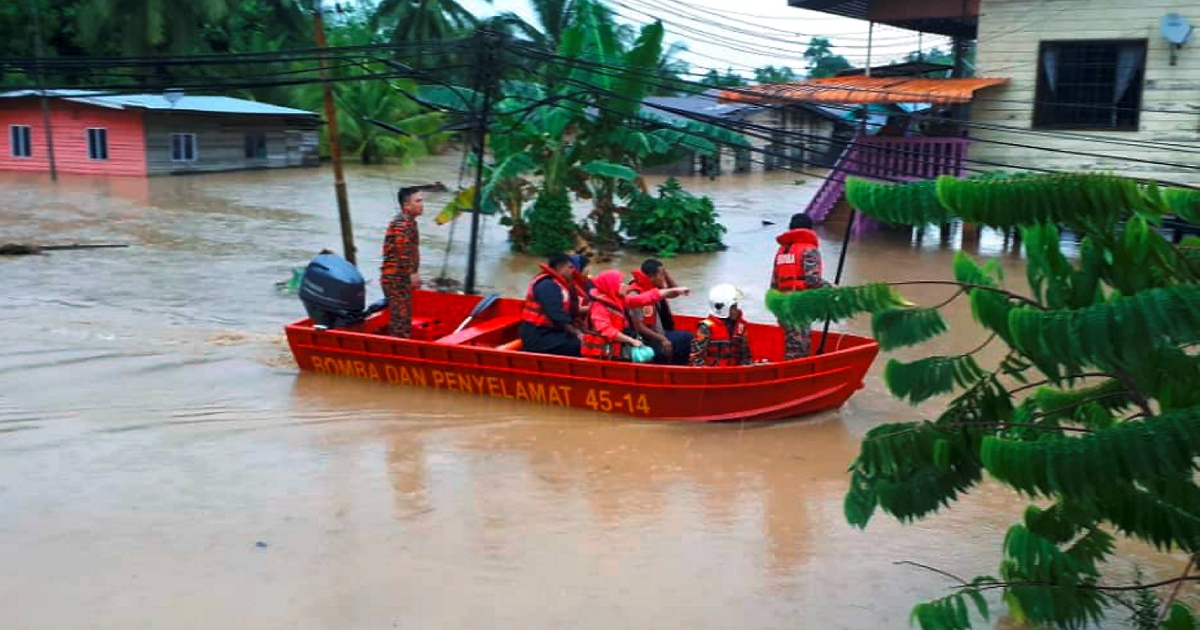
(609, 334)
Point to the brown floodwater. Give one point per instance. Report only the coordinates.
(164, 465)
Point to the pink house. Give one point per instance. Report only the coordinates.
(150, 134)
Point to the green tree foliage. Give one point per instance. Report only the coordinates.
(727, 79)
(771, 74)
(143, 27)
(674, 222)
(821, 60)
(584, 130)
(1094, 411)
(551, 224)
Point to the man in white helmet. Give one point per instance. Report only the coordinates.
(721, 339)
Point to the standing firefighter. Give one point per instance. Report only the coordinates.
(797, 268)
(401, 259)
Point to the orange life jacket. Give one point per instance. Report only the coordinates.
(723, 349)
(642, 283)
(788, 272)
(533, 311)
(595, 346)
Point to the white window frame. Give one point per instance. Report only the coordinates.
(93, 154)
(183, 153)
(23, 141)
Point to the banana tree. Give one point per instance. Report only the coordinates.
(582, 130)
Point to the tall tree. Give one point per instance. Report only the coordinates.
(146, 27)
(771, 74)
(728, 79)
(411, 21)
(552, 19)
(821, 60)
(1094, 411)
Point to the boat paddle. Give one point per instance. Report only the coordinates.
(479, 308)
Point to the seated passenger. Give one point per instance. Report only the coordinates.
(547, 326)
(583, 286)
(609, 334)
(655, 323)
(721, 339)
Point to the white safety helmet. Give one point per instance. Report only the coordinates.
(721, 298)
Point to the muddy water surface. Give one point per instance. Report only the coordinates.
(164, 465)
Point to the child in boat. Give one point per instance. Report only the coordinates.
(609, 334)
(721, 339)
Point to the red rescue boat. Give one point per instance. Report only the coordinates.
(485, 358)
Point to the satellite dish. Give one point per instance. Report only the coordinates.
(173, 96)
(1175, 28)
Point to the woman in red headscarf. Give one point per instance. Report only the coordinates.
(609, 334)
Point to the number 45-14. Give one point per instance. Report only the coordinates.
(604, 401)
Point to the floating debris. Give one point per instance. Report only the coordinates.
(29, 249)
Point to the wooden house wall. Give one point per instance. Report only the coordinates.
(1010, 32)
(69, 124)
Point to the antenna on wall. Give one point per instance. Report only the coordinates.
(1177, 30)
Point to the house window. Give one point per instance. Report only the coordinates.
(1090, 84)
(256, 145)
(97, 143)
(19, 140)
(183, 147)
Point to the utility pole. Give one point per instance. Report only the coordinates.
(486, 74)
(41, 79)
(335, 146)
(870, 40)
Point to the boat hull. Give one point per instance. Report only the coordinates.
(478, 361)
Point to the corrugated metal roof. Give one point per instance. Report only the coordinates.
(864, 90)
(159, 102)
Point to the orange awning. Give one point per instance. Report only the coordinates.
(861, 90)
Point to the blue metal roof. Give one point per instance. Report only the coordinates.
(159, 102)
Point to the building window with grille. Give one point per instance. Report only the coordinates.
(1090, 84)
(20, 141)
(97, 138)
(183, 147)
(256, 145)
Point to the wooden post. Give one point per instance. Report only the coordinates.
(335, 146)
(41, 79)
(485, 80)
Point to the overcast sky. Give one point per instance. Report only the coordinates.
(748, 33)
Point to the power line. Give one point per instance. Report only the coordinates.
(971, 160)
(959, 121)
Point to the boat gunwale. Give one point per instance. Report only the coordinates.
(575, 377)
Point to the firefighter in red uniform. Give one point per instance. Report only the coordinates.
(401, 259)
(721, 339)
(551, 304)
(797, 268)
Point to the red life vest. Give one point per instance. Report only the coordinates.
(595, 346)
(723, 349)
(533, 311)
(641, 283)
(788, 272)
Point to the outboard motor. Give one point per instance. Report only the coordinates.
(334, 293)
